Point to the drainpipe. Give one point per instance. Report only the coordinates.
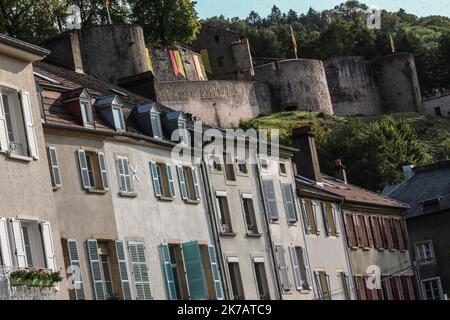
(269, 238)
(215, 231)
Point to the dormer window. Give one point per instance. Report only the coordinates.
(149, 119)
(156, 125)
(86, 112)
(183, 133)
(119, 123)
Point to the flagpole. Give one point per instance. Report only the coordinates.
(294, 42)
(107, 10)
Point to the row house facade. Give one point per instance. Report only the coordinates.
(376, 239)
(28, 217)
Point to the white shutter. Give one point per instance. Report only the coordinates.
(286, 191)
(140, 270)
(102, 165)
(19, 243)
(328, 291)
(295, 268)
(305, 216)
(126, 165)
(337, 221)
(307, 271)
(3, 128)
(96, 270)
(195, 177)
(318, 285)
(326, 223)
(155, 178)
(56, 175)
(84, 169)
(74, 261)
(123, 271)
(29, 124)
(5, 248)
(316, 207)
(271, 200)
(47, 241)
(282, 268)
(170, 178)
(182, 181)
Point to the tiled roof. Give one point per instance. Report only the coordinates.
(427, 182)
(352, 193)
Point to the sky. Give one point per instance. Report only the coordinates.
(241, 8)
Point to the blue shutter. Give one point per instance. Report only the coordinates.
(196, 182)
(215, 272)
(182, 181)
(271, 200)
(155, 178)
(96, 270)
(167, 266)
(194, 271)
(123, 272)
(74, 264)
(170, 178)
(289, 204)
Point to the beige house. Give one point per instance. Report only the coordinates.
(28, 218)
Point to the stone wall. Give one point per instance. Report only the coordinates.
(437, 106)
(219, 103)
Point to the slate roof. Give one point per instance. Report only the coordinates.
(22, 45)
(351, 193)
(426, 183)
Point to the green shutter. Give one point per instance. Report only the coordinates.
(155, 177)
(167, 266)
(196, 182)
(170, 178)
(215, 272)
(102, 165)
(194, 271)
(182, 181)
(123, 272)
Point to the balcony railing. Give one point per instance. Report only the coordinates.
(22, 292)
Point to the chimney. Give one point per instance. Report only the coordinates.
(65, 50)
(306, 158)
(341, 174)
(407, 171)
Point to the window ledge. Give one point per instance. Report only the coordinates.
(305, 291)
(128, 194)
(56, 188)
(275, 221)
(253, 235)
(19, 157)
(366, 248)
(231, 182)
(190, 201)
(165, 198)
(292, 223)
(354, 247)
(97, 191)
(228, 234)
(392, 250)
(242, 174)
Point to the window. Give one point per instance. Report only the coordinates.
(163, 182)
(432, 289)
(350, 230)
(189, 183)
(316, 213)
(183, 132)
(124, 175)
(86, 113)
(299, 268)
(119, 122)
(334, 217)
(17, 130)
(282, 268)
(156, 125)
(264, 163)
(216, 38)
(330, 219)
(283, 171)
(437, 111)
(261, 279)
(106, 268)
(229, 167)
(271, 200)
(93, 170)
(224, 212)
(289, 204)
(54, 167)
(323, 284)
(242, 167)
(309, 217)
(345, 285)
(235, 279)
(376, 230)
(399, 234)
(29, 246)
(221, 62)
(424, 252)
(216, 164)
(249, 213)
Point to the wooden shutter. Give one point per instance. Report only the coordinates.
(4, 145)
(289, 204)
(347, 221)
(104, 175)
(155, 178)
(167, 266)
(395, 239)
(404, 234)
(384, 238)
(215, 273)
(170, 179)
(376, 232)
(47, 241)
(326, 223)
(306, 217)
(54, 163)
(96, 270)
(282, 268)
(84, 169)
(195, 273)
(123, 271)
(195, 177)
(74, 262)
(357, 228)
(271, 200)
(140, 270)
(182, 182)
(337, 223)
(19, 243)
(295, 268)
(5, 248)
(368, 230)
(29, 124)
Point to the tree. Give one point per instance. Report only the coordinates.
(166, 21)
(253, 19)
(374, 153)
(275, 17)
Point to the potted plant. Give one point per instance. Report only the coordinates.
(17, 278)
